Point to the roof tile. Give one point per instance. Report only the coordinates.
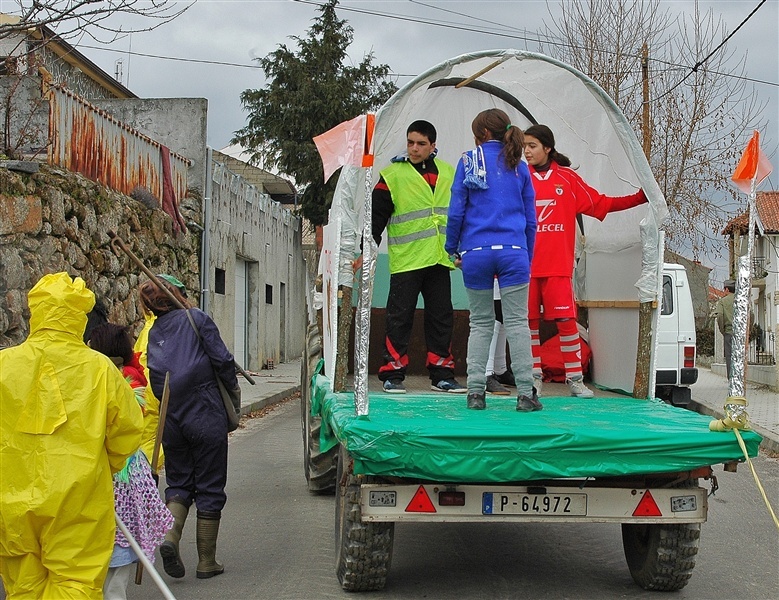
(767, 204)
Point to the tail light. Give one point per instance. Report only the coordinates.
(689, 356)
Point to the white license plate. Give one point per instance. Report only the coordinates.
(518, 503)
(382, 498)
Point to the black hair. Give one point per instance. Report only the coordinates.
(112, 340)
(96, 317)
(426, 128)
(544, 135)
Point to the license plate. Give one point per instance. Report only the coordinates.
(382, 498)
(684, 503)
(518, 503)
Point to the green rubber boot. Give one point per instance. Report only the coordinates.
(169, 549)
(207, 532)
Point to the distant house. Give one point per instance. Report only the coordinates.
(762, 354)
(24, 53)
(237, 238)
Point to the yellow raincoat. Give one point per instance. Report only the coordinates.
(68, 420)
(152, 417)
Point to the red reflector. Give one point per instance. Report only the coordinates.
(421, 502)
(647, 507)
(451, 499)
(689, 356)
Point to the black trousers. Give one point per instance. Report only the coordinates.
(435, 285)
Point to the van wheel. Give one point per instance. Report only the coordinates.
(320, 467)
(662, 556)
(363, 550)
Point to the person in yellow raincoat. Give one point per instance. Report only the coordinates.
(68, 420)
(152, 417)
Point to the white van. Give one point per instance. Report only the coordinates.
(675, 353)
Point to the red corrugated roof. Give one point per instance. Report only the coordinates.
(715, 294)
(767, 204)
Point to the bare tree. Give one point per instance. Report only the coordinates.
(101, 20)
(699, 106)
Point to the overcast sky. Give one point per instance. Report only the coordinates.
(236, 32)
(412, 36)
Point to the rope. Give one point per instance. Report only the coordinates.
(757, 479)
(737, 418)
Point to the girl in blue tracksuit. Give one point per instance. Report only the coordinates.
(490, 233)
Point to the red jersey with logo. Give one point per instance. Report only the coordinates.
(561, 194)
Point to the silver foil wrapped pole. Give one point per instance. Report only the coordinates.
(362, 326)
(737, 385)
(736, 416)
(738, 363)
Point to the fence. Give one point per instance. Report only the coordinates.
(762, 349)
(88, 140)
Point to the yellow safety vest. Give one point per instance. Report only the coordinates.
(416, 231)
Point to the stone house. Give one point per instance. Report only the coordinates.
(223, 234)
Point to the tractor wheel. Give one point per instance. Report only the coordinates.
(320, 467)
(662, 556)
(363, 550)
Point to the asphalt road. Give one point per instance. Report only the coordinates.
(277, 541)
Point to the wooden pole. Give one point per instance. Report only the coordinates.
(155, 455)
(645, 310)
(645, 121)
(342, 348)
(478, 74)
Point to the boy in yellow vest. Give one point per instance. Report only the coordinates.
(411, 200)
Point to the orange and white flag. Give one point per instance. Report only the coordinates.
(349, 143)
(752, 166)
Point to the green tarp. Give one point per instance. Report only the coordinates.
(435, 437)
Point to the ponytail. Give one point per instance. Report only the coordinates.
(513, 146)
(499, 125)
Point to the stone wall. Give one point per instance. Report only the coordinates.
(55, 220)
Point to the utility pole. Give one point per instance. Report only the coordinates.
(645, 309)
(645, 129)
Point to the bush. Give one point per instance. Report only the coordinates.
(704, 339)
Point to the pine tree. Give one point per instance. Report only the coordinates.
(308, 92)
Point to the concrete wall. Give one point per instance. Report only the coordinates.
(246, 227)
(178, 123)
(28, 114)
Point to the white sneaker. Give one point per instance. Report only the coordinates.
(578, 388)
(538, 383)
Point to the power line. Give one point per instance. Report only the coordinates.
(191, 60)
(536, 39)
(700, 63)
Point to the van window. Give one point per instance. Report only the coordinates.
(668, 296)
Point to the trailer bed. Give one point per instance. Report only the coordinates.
(434, 437)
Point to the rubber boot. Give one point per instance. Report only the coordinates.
(207, 532)
(169, 549)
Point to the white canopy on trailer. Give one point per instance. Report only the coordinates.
(618, 256)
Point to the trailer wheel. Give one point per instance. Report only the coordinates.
(363, 550)
(320, 467)
(662, 556)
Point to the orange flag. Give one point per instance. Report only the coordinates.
(348, 143)
(753, 165)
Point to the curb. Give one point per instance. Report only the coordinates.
(767, 445)
(268, 400)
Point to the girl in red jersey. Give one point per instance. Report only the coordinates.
(561, 195)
